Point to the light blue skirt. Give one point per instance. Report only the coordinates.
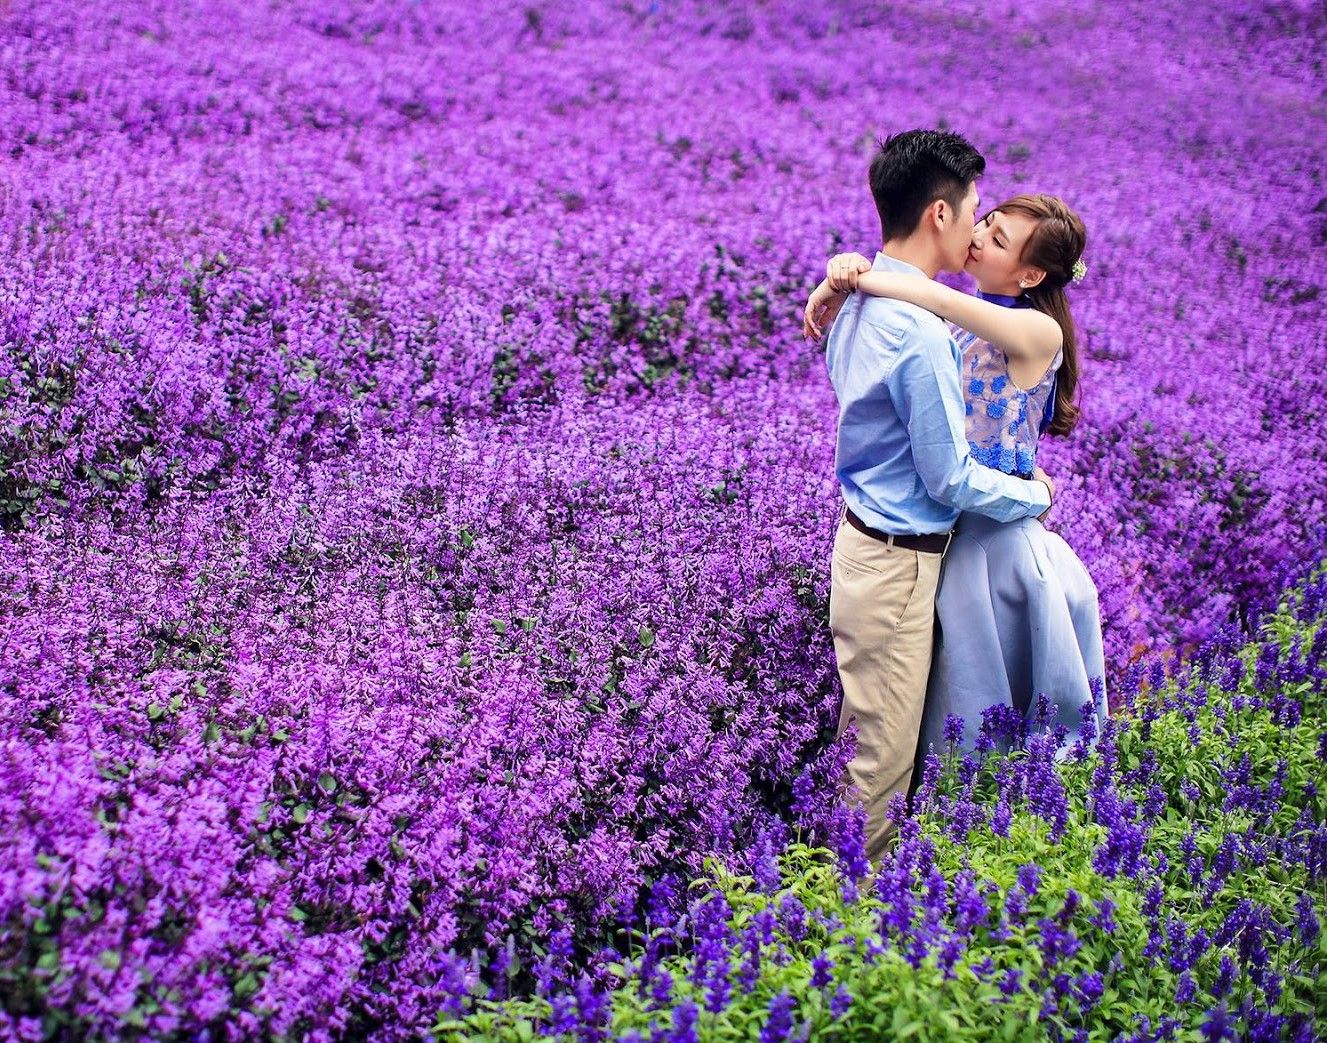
(1016, 615)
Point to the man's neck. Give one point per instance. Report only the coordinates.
(913, 252)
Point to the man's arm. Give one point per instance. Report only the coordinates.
(926, 393)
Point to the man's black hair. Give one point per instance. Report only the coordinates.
(914, 169)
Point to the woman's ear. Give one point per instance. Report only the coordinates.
(1030, 277)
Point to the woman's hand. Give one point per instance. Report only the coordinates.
(821, 309)
(843, 269)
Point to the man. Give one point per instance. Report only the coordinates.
(903, 464)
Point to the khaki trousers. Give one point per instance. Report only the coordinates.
(882, 614)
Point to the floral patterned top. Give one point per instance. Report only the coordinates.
(1004, 421)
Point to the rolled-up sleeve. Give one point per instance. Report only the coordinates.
(925, 388)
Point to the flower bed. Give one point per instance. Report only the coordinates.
(416, 498)
(1170, 883)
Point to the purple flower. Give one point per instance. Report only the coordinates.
(594, 1010)
(848, 838)
(1089, 988)
(1012, 981)
(953, 730)
(1104, 917)
(779, 1019)
(1218, 1027)
(661, 991)
(1309, 927)
(792, 915)
(685, 1016)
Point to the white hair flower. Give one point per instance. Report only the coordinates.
(1079, 270)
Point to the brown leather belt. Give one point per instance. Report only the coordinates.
(929, 543)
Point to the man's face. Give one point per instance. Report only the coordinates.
(958, 233)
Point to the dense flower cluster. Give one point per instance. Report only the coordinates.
(416, 498)
(1166, 883)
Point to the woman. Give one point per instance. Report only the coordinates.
(1017, 612)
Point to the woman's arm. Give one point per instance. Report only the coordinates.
(821, 309)
(1022, 333)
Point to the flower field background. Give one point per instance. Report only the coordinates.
(416, 497)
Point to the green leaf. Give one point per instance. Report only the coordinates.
(246, 986)
(300, 813)
(646, 637)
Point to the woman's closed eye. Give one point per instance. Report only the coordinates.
(1002, 243)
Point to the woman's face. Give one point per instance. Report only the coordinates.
(994, 258)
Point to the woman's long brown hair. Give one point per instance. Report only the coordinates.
(1054, 246)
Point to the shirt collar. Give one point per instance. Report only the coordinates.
(892, 264)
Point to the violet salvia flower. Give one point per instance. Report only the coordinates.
(1057, 943)
(661, 990)
(1011, 982)
(1089, 988)
(779, 1019)
(822, 971)
(563, 1017)
(685, 1017)
(970, 906)
(953, 730)
(1218, 1027)
(848, 839)
(1309, 928)
(593, 1011)
(792, 917)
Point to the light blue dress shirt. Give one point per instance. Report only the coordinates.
(902, 456)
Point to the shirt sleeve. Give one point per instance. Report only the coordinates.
(926, 392)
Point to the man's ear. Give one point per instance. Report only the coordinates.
(939, 213)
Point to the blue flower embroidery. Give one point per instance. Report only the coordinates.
(995, 410)
(976, 387)
(997, 385)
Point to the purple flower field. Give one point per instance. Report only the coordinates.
(416, 496)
